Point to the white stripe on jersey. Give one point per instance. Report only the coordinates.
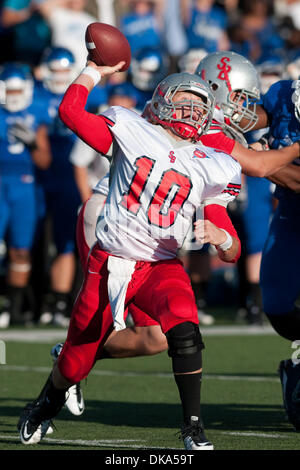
(156, 184)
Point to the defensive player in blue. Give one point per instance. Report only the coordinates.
(23, 143)
(279, 277)
(62, 198)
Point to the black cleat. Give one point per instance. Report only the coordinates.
(48, 427)
(290, 381)
(34, 423)
(193, 436)
(36, 417)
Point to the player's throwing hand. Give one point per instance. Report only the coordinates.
(207, 232)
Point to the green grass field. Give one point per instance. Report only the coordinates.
(133, 403)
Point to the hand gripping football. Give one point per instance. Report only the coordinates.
(107, 45)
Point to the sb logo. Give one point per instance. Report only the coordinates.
(172, 157)
(224, 68)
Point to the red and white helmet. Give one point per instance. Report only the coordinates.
(163, 107)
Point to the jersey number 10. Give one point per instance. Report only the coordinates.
(169, 196)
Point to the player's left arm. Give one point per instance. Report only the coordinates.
(216, 228)
(41, 153)
(288, 177)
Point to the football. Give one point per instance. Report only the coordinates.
(107, 45)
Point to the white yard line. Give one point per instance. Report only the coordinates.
(114, 373)
(255, 434)
(129, 443)
(115, 443)
(52, 335)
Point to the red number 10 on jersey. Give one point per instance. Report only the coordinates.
(169, 196)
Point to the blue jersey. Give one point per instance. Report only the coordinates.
(61, 138)
(141, 31)
(15, 157)
(279, 274)
(284, 127)
(206, 28)
(58, 192)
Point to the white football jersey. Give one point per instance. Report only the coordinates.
(156, 185)
(102, 187)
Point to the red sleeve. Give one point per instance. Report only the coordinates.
(91, 128)
(218, 215)
(218, 141)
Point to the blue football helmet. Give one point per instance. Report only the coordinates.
(148, 67)
(58, 69)
(16, 87)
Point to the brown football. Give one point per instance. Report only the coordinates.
(107, 45)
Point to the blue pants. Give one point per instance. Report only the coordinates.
(63, 202)
(257, 214)
(280, 267)
(18, 211)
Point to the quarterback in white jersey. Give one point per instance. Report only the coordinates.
(150, 206)
(156, 185)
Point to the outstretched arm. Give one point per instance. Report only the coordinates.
(90, 128)
(264, 163)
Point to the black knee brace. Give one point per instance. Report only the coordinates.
(185, 346)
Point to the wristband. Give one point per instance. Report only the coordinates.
(228, 242)
(94, 74)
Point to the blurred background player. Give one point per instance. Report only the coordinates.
(30, 32)
(140, 22)
(254, 32)
(23, 144)
(148, 67)
(205, 25)
(68, 20)
(57, 184)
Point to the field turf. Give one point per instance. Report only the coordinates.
(133, 403)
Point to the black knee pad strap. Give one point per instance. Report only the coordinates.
(184, 339)
(185, 346)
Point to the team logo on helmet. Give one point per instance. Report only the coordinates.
(224, 68)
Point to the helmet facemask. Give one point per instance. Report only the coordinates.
(241, 104)
(57, 76)
(188, 118)
(18, 94)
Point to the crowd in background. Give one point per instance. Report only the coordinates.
(165, 36)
